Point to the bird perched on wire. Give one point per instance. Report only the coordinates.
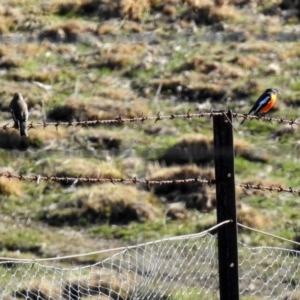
(264, 103)
(19, 112)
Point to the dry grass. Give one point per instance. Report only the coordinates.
(9, 18)
(99, 138)
(117, 93)
(11, 139)
(133, 27)
(24, 51)
(10, 186)
(67, 32)
(62, 6)
(194, 195)
(106, 203)
(105, 28)
(12, 62)
(6, 25)
(212, 11)
(134, 10)
(41, 137)
(191, 148)
(99, 108)
(176, 211)
(250, 217)
(195, 86)
(195, 148)
(255, 47)
(169, 10)
(74, 167)
(122, 204)
(117, 56)
(42, 76)
(206, 12)
(200, 64)
(156, 172)
(246, 61)
(243, 149)
(201, 91)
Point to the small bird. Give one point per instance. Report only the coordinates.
(264, 103)
(19, 112)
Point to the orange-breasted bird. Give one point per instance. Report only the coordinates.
(264, 103)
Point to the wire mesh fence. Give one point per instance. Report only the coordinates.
(174, 268)
(269, 273)
(183, 267)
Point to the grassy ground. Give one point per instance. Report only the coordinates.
(83, 60)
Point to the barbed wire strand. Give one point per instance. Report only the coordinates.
(39, 178)
(260, 187)
(158, 117)
(181, 237)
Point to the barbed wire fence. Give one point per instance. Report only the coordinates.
(184, 267)
(158, 117)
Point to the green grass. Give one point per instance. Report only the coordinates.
(26, 240)
(62, 65)
(161, 228)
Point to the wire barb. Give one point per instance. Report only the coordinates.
(134, 180)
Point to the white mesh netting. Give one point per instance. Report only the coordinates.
(269, 273)
(165, 269)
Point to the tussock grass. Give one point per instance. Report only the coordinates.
(191, 148)
(194, 195)
(206, 12)
(107, 203)
(61, 6)
(193, 86)
(74, 167)
(197, 148)
(114, 57)
(176, 211)
(10, 187)
(67, 32)
(246, 61)
(94, 74)
(251, 217)
(245, 150)
(11, 139)
(216, 69)
(41, 138)
(99, 108)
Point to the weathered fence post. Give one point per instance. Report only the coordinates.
(226, 206)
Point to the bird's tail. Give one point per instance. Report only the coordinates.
(243, 121)
(16, 125)
(23, 129)
(250, 114)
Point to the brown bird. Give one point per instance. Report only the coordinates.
(19, 112)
